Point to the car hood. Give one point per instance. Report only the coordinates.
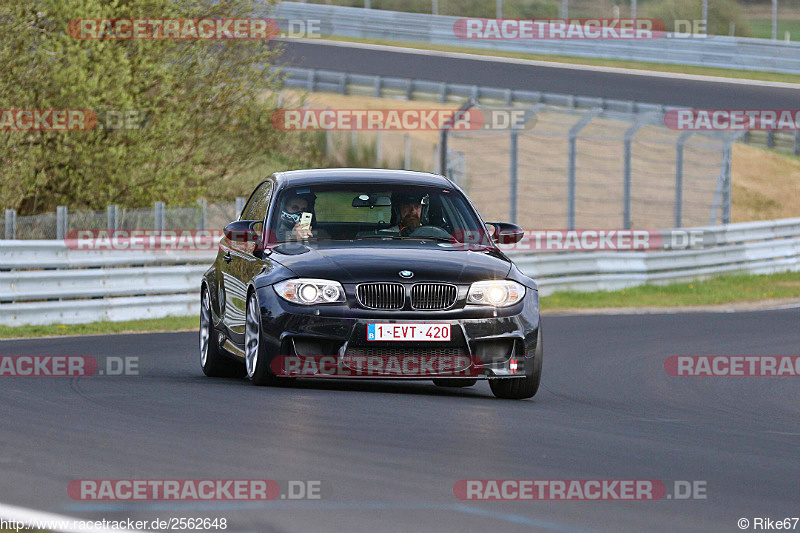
(362, 261)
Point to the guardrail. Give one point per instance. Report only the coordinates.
(44, 282)
(348, 83)
(712, 51)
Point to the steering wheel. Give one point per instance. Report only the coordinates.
(433, 232)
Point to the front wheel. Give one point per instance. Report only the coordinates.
(256, 360)
(522, 388)
(213, 362)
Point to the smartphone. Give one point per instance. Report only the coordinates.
(305, 218)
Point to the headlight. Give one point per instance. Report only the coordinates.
(500, 293)
(306, 291)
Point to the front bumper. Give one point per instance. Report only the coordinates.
(499, 343)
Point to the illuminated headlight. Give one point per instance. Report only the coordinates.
(305, 291)
(500, 293)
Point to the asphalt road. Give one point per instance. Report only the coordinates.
(389, 453)
(623, 86)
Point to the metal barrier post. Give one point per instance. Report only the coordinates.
(512, 178)
(626, 183)
(407, 157)
(796, 150)
(571, 180)
(201, 224)
(61, 222)
(240, 202)
(679, 177)
(328, 143)
(378, 136)
(443, 134)
(111, 217)
(11, 224)
(312, 74)
(726, 188)
(158, 216)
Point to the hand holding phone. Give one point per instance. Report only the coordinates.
(303, 228)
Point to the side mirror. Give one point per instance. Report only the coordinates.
(244, 231)
(506, 233)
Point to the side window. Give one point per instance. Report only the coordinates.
(249, 204)
(257, 203)
(258, 208)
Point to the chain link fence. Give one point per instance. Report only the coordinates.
(202, 215)
(569, 168)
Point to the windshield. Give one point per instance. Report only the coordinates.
(372, 211)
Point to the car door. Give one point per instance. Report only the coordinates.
(238, 266)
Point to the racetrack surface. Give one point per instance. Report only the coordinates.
(389, 453)
(491, 72)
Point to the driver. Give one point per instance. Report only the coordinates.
(294, 205)
(408, 211)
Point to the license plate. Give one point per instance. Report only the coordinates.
(408, 332)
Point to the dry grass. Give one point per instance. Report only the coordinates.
(766, 184)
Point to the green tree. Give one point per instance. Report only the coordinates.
(207, 105)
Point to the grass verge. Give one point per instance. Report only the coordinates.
(172, 323)
(714, 291)
(618, 63)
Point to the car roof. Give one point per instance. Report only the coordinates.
(319, 176)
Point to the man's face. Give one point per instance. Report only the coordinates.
(410, 215)
(296, 205)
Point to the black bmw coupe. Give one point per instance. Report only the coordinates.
(365, 273)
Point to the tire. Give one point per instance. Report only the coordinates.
(256, 360)
(213, 362)
(522, 388)
(455, 382)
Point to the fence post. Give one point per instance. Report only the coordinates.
(312, 74)
(796, 150)
(201, 224)
(240, 201)
(726, 189)
(328, 143)
(512, 178)
(158, 216)
(771, 139)
(407, 158)
(111, 217)
(626, 184)
(571, 180)
(443, 93)
(378, 81)
(11, 224)
(679, 177)
(722, 192)
(378, 136)
(61, 222)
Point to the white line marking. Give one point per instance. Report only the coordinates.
(31, 516)
(549, 64)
